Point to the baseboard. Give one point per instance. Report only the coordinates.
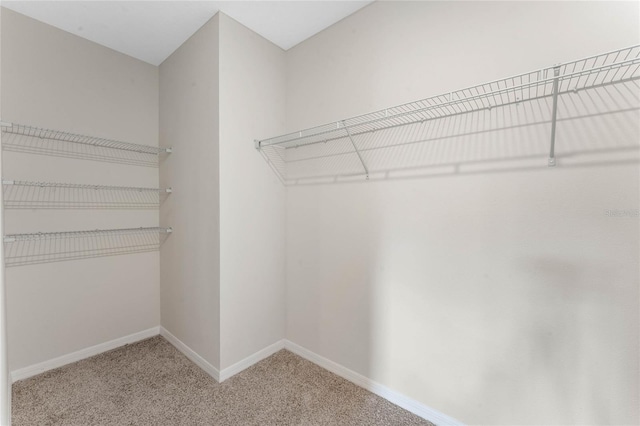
(32, 370)
(397, 398)
(390, 395)
(191, 354)
(228, 372)
(251, 359)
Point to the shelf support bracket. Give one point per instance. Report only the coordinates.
(554, 113)
(366, 170)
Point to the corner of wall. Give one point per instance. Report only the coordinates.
(252, 203)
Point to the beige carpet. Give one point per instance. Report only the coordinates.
(151, 383)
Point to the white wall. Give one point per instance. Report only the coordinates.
(53, 79)
(190, 259)
(252, 215)
(504, 295)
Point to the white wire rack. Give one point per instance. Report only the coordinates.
(348, 147)
(29, 139)
(47, 195)
(27, 249)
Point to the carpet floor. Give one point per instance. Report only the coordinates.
(152, 383)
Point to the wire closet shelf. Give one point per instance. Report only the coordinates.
(35, 140)
(288, 154)
(48, 195)
(27, 249)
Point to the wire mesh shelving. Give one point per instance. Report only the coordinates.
(35, 140)
(347, 147)
(27, 249)
(48, 195)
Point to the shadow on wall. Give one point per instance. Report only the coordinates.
(595, 126)
(566, 346)
(498, 301)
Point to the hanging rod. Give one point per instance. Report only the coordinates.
(30, 139)
(598, 71)
(50, 195)
(26, 249)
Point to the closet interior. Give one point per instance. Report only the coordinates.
(471, 257)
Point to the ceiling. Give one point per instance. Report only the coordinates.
(152, 30)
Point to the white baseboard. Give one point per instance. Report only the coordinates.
(32, 370)
(191, 354)
(251, 359)
(228, 372)
(390, 395)
(397, 398)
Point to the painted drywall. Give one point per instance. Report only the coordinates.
(55, 80)
(5, 380)
(503, 295)
(190, 259)
(252, 209)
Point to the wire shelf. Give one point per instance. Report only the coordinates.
(344, 144)
(34, 140)
(27, 249)
(47, 195)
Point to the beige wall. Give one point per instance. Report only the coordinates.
(56, 80)
(189, 293)
(500, 296)
(190, 259)
(5, 379)
(252, 215)
(496, 298)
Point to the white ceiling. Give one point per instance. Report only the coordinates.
(152, 30)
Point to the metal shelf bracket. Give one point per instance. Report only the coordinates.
(366, 170)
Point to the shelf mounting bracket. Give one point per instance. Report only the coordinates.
(366, 170)
(554, 113)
